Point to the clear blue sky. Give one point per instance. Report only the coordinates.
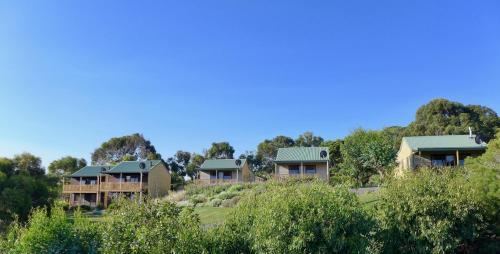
(186, 73)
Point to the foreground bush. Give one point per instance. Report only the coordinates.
(429, 212)
(151, 227)
(52, 233)
(294, 218)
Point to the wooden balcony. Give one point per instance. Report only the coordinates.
(285, 176)
(215, 181)
(80, 188)
(123, 187)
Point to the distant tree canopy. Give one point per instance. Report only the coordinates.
(221, 150)
(66, 166)
(334, 147)
(194, 164)
(268, 149)
(130, 147)
(444, 117)
(28, 163)
(23, 186)
(307, 139)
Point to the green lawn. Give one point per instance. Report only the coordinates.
(212, 215)
(368, 200)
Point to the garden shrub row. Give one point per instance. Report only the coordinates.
(425, 212)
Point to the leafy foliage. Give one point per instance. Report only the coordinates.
(429, 211)
(66, 166)
(151, 227)
(442, 117)
(268, 149)
(23, 186)
(221, 150)
(52, 233)
(115, 149)
(295, 217)
(366, 153)
(307, 139)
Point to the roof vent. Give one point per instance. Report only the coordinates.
(323, 154)
(478, 139)
(142, 165)
(237, 162)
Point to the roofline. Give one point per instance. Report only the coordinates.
(245, 162)
(430, 149)
(298, 161)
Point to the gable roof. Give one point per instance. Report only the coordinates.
(301, 154)
(133, 166)
(221, 164)
(89, 171)
(445, 142)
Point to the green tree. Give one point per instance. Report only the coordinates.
(29, 163)
(7, 166)
(308, 139)
(366, 153)
(395, 134)
(194, 165)
(268, 149)
(66, 166)
(444, 117)
(128, 157)
(221, 150)
(254, 163)
(115, 149)
(335, 155)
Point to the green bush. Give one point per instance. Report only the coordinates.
(235, 188)
(226, 195)
(215, 202)
(52, 233)
(429, 211)
(230, 202)
(198, 198)
(151, 227)
(294, 217)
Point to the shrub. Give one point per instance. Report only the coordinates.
(199, 198)
(53, 233)
(215, 202)
(230, 202)
(152, 227)
(294, 217)
(235, 188)
(226, 195)
(429, 211)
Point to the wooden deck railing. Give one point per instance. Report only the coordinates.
(67, 188)
(215, 181)
(126, 187)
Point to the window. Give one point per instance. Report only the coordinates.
(213, 175)
(293, 169)
(310, 169)
(228, 175)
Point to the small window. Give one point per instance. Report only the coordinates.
(310, 169)
(228, 175)
(293, 169)
(213, 175)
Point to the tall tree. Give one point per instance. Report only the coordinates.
(66, 166)
(335, 155)
(221, 150)
(29, 163)
(23, 186)
(444, 117)
(254, 163)
(366, 153)
(395, 134)
(194, 165)
(268, 149)
(7, 166)
(308, 139)
(115, 149)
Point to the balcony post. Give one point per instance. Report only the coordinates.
(302, 169)
(140, 187)
(120, 181)
(458, 160)
(237, 175)
(216, 177)
(80, 183)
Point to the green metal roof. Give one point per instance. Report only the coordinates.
(133, 166)
(89, 171)
(440, 143)
(221, 164)
(301, 154)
